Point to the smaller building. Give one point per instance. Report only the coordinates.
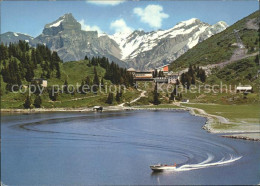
(131, 71)
(244, 89)
(98, 108)
(40, 81)
(161, 80)
(173, 77)
(164, 68)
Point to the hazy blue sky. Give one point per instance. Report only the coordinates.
(114, 16)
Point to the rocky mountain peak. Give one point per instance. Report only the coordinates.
(14, 37)
(188, 23)
(65, 22)
(221, 24)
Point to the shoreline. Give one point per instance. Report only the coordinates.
(87, 109)
(240, 132)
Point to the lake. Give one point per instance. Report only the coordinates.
(118, 147)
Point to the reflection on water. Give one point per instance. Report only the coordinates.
(118, 147)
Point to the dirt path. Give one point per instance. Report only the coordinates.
(238, 54)
(136, 99)
(204, 113)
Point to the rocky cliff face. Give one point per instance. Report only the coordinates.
(66, 37)
(138, 49)
(66, 22)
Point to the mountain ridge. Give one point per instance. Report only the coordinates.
(222, 46)
(138, 49)
(138, 44)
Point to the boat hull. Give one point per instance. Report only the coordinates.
(162, 168)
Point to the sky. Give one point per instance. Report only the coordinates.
(111, 17)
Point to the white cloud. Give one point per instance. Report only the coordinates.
(120, 26)
(105, 2)
(151, 14)
(89, 28)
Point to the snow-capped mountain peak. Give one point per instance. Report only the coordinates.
(187, 23)
(183, 36)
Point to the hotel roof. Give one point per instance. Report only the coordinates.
(131, 70)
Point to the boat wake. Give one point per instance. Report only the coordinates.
(207, 163)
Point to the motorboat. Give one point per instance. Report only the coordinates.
(161, 167)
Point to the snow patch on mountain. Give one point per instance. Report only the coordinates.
(121, 39)
(186, 23)
(133, 43)
(57, 23)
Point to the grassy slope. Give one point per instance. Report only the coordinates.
(218, 47)
(243, 71)
(74, 72)
(235, 113)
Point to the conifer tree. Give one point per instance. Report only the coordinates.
(193, 81)
(33, 57)
(88, 83)
(174, 93)
(188, 81)
(53, 94)
(110, 98)
(118, 96)
(38, 101)
(156, 100)
(27, 103)
(81, 88)
(3, 52)
(102, 83)
(155, 73)
(202, 75)
(257, 60)
(58, 74)
(65, 87)
(180, 96)
(95, 81)
(48, 75)
(190, 71)
(38, 88)
(172, 96)
(161, 74)
(29, 74)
